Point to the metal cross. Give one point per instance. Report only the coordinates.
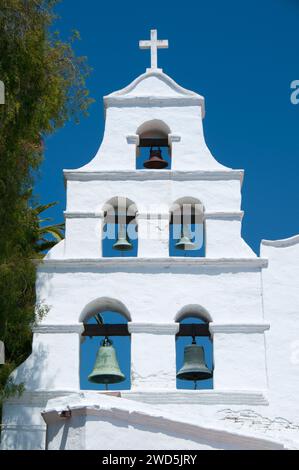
(154, 44)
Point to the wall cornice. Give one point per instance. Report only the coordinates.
(152, 101)
(162, 263)
(57, 328)
(200, 397)
(230, 215)
(142, 175)
(159, 328)
(232, 328)
(186, 397)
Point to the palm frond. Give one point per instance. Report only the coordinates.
(48, 235)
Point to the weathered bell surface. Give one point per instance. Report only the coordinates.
(122, 243)
(106, 369)
(194, 367)
(155, 161)
(185, 242)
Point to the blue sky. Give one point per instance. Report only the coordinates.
(242, 56)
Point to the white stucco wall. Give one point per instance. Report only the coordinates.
(281, 304)
(128, 109)
(94, 420)
(230, 295)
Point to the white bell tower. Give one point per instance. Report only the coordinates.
(153, 290)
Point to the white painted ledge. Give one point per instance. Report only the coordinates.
(200, 397)
(151, 101)
(24, 428)
(173, 138)
(146, 175)
(184, 397)
(283, 243)
(161, 263)
(235, 215)
(159, 328)
(57, 328)
(154, 328)
(83, 215)
(231, 328)
(135, 138)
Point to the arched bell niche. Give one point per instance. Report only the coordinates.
(120, 229)
(194, 328)
(115, 318)
(153, 151)
(187, 228)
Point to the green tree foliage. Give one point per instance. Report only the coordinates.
(44, 86)
(48, 235)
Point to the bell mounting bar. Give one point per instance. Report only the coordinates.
(148, 142)
(191, 329)
(106, 330)
(194, 329)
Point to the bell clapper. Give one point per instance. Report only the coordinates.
(106, 342)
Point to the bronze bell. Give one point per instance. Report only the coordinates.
(185, 242)
(106, 369)
(155, 161)
(122, 243)
(194, 367)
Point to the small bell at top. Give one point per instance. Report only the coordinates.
(155, 161)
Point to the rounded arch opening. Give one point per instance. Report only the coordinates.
(154, 149)
(195, 311)
(194, 331)
(103, 304)
(120, 228)
(112, 312)
(187, 228)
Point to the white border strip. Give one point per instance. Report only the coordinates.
(144, 175)
(202, 397)
(49, 329)
(237, 215)
(165, 263)
(154, 328)
(285, 242)
(232, 328)
(159, 328)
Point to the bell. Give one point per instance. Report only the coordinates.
(194, 367)
(122, 243)
(155, 161)
(106, 369)
(185, 242)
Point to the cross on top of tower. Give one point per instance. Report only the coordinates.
(154, 44)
